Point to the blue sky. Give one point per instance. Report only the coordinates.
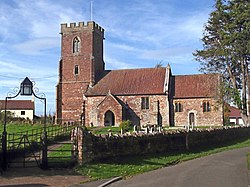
(138, 33)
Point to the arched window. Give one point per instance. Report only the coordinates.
(178, 107)
(76, 45)
(206, 106)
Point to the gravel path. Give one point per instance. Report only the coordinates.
(36, 177)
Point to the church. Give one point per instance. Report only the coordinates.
(89, 94)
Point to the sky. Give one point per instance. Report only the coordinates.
(138, 34)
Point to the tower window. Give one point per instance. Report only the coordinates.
(76, 72)
(144, 103)
(76, 45)
(206, 106)
(178, 107)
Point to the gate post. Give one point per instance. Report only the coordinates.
(4, 151)
(44, 151)
(74, 147)
(4, 137)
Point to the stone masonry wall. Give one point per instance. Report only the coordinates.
(72, 99)
(130, 108)
(157, 103)
(94, 147)
(213, 118)
(89, 60)
(109, 104)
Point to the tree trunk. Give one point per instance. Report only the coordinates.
(244, 93)
(248, 92)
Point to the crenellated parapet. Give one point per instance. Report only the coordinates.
(73, 27)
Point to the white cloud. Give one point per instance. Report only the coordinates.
(166, 53)
(112, 63)
(44, 16)
(18, 70)
(10, 68)
(137, 35)
(124, 47)
(152, 24)
(36, 46)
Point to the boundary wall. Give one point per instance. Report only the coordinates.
(91, 147)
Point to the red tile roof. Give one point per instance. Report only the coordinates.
(131, 82)
(234, 112)
(17, 105)
(191, 86)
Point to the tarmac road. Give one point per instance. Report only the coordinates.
(225, 169)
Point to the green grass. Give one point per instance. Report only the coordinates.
(129, 166)
(23, 128)
(17, 128)
(15, 133)
(61, 154)
(61, 157)
(104, 130)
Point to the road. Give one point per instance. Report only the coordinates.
(225, 169)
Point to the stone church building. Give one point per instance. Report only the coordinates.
(93, 96)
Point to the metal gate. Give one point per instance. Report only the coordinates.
(24, 150)
(30, 149)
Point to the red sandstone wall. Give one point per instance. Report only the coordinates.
(95, 115)
(90, 62)
(93, 147)
(214, 117)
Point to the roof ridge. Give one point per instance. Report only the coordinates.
(18, 100)
(136, 69)
(197, 74)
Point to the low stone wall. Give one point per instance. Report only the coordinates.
(92, 147)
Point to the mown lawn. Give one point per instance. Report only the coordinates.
(17, 128)
(104, 130)
(60, 155)
(16, 133)
(129, 166)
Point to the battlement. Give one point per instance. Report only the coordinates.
(80, 26)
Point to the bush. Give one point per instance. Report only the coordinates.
(126, 125)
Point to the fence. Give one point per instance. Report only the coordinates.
(34, 135)
(29, 143)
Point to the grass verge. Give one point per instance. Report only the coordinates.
(129, 166)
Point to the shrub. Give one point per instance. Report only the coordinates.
(126, 125)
